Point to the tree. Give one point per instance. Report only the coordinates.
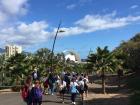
(102, 62)
(42, 60)
(131, 49)
(15, 66)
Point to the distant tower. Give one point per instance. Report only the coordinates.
(12, 50)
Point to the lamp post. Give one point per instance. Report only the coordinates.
(52, 52)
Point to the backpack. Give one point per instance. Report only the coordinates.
(82, 87)
(74, 89)
(85, 85)
(24, 92)
(46, 83)
(37, 93)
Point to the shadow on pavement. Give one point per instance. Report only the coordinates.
(108, 90)
(117, 100)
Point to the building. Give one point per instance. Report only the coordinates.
(12, 50)
(72, 56)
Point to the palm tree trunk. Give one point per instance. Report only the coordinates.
(103, 82)
(119, 79)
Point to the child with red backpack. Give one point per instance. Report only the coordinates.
(37, 93)
(26, 91)
(46, 86)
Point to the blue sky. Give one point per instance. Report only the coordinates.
(87, 23)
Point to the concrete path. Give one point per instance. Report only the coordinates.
(15, 99)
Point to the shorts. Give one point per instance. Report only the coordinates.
(85, 88)
(81, 91)
(63, 91)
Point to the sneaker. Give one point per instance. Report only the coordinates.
(63, 102)
(74, 103)
(52, 94)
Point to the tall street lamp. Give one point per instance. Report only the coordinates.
(52, 52)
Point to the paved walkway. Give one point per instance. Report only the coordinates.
(15, 99)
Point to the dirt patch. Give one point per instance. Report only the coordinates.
(119, 97)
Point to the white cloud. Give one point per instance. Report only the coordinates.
(3, 17)
(134, 6)
(37, 31)
(92, 23)
(25, 34)
(11, 9)
(71, 6)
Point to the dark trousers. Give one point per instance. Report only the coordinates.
(28, 101)
(73, 97)
(37, 102)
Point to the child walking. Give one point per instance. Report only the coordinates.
(37, 93)
(26, 91)
(73, 90)
(62, 89)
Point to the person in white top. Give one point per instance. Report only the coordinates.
(73, 89)
(81, 87)
(62, 89)
(86, 81)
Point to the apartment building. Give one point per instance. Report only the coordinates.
(12, 50)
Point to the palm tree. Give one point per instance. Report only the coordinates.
(15, 66)
(102, 62)
(120, 63)
(42, 59)
(59, 62)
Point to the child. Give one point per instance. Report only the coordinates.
(46, 86)
(81, 87)
(37, 93)
(26, 91)
(86, 81)
(62, 89)
(73, 90)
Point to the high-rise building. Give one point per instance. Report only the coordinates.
(12, 50)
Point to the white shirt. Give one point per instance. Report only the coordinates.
(81, 83)
(62, 85)
(86, 80)
(73, 83)
(35, 75)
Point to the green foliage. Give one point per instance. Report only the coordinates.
(21, 65)
(131, 50)
(102, 60)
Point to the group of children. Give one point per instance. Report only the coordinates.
(32, 93)
(65, 83)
